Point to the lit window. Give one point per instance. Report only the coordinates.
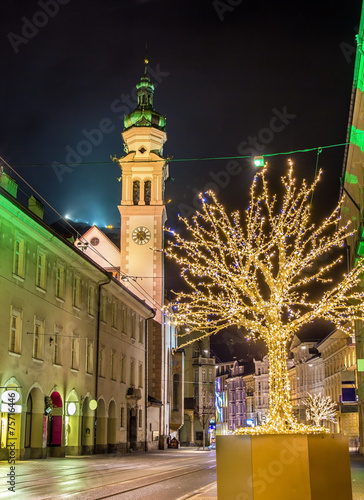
(15, 331)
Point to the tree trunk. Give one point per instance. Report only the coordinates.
(280, 415)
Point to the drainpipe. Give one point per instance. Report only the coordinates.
(100, 284)
(146, 381)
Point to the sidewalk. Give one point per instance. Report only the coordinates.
(357, 477)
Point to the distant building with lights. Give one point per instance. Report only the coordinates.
(236, 397)
(261, 396)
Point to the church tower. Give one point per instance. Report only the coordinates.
(142, 210)
(144, 172)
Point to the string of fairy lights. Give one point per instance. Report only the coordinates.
(171, 159)
(252, 271)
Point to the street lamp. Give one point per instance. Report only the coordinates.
(259, 161)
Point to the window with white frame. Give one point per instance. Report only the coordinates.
(113, 365)
(89, 356)
(103, 308)
(203, 374)
(140, 374)
(90, 300)
(141, 331)
(57, 345)
(102, 361)
(132, 372)
(18, 260)
(15, 331)
(124, 318)
(76, 291)
(75, 351)
(132, 333)
(40, 279)
(196, 374)
(60, 281)
(114, 315)
(122, 368)
(38, 338)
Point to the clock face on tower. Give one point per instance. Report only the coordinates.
(141, 235)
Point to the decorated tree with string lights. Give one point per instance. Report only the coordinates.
(256, 271)
(319, 408)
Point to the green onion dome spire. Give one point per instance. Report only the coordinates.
(144, 114)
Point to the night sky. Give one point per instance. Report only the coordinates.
(232, 77)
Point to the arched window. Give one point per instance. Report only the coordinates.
(147, 192)
(136, 192)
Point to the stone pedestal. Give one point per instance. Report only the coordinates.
(283, 467)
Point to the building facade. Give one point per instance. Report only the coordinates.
(73, 344)
(199, 394)
(352, 209)
(236, 397)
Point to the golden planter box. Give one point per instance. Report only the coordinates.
(283, 467)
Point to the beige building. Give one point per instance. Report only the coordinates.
(72, 344)
(339, 359)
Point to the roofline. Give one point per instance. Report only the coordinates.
(100, 230)
(72, 247)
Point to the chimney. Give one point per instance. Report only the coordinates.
(36, 207)
(8, 183)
